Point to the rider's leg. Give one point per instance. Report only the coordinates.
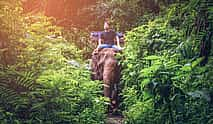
(105, 46)
(116, 47)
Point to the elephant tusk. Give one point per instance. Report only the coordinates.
(105, 85)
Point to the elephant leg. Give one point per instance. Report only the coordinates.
(114, 97)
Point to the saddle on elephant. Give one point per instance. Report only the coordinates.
(105, 68)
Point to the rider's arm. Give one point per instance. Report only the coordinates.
(99, 41)
(118, 41)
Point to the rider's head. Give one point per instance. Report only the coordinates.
(106, 25)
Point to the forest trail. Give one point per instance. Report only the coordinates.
(115, 120)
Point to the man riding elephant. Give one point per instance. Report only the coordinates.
(105, 66)
(108, 37)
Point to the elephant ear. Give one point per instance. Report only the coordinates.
(94, 75)
(96, 71)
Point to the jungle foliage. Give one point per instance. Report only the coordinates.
(167, 63)
(168, 66)
(38, 83)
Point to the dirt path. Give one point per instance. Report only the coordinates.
(115, 120)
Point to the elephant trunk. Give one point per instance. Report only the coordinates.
(110, 79)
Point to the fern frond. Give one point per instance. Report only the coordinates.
(8, 97)
(26, 80)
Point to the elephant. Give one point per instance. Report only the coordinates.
(105, 68)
